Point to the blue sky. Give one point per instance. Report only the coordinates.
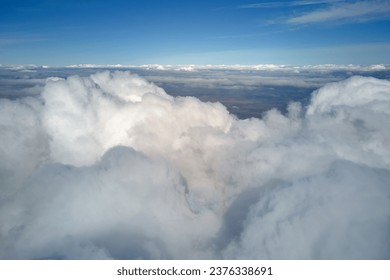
(296, 32)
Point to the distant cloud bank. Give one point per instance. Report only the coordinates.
(194, 67)
(263, 67)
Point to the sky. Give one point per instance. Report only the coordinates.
(154, 161)
(299, 32)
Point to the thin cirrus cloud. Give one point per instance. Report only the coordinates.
(346, 12)
(286, 4)
(336, 10)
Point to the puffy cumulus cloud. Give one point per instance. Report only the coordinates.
(359, 108)
(123, 206)
(110, 166)
(341, 213)
(23, 141)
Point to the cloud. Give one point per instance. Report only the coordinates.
(318, 216)
(264, 5)
(346, 11)
(111, 166)
(340, 11)
(236, 67)
(251, 77)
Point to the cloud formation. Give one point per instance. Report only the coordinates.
(264, 5)
(235, 67)
(110, 166)
(330, 11)
(355, 11)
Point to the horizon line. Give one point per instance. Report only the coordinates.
(192, 67)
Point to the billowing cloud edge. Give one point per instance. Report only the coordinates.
(110, 166)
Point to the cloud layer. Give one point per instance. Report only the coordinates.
(110, 166)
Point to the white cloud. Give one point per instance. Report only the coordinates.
(20, 67)
(337, 214)
(250, 76)
(88, 65)
(110, 166)
(346, 11)
(265, 67)
(278, 4)
(245, 77)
